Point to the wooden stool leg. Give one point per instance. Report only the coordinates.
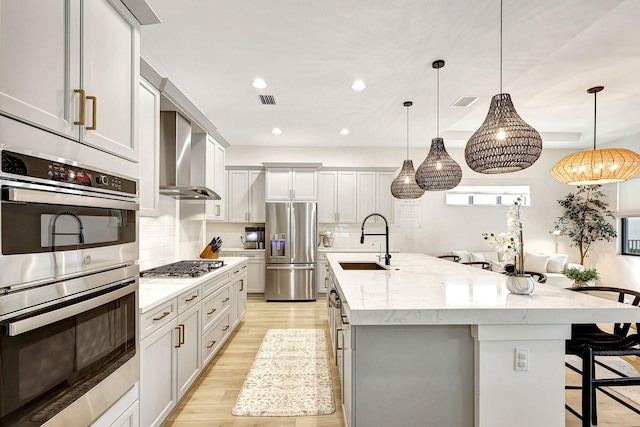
(587, 392)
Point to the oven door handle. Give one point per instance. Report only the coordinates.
(25, 325)
(25, 195)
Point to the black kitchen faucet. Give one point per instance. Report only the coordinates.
(387, 256)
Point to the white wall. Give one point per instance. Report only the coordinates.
(443, 228)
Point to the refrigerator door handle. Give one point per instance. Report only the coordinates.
(289, 267)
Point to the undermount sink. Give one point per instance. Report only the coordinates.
(361, 266)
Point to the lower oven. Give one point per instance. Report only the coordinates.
(60, 219)
(68, 349)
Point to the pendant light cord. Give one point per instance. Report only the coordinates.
(500, 46)
(407, 132)
(438, 105)
(595, 109)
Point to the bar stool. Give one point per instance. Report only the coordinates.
(590, 341)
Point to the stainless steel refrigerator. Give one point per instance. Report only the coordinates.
(290, 253)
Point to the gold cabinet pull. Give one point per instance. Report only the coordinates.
(225, 328)
(165, 314)
(179, 341)
(192, 298)
(241, 285)
(94, 113)
(212, 311)
(82, 101)
(182, 334)
(212, 344)
(225, 300)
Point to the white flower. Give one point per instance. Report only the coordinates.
(510, 243)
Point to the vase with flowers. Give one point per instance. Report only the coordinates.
(511, 244)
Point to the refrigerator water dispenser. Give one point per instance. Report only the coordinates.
(277, 245)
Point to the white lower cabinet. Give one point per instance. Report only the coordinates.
(124, 413)
(130, 418)
(255, 274)
(158, 362)
(214, 337)
(188, 347)
(256, 267)
(181, 336)
(323, 274)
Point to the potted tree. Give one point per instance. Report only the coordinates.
(585, 221)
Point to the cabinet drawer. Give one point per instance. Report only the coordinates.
(156, 318)
(252, 255)
(213, 306)
(189, 299)
(212, 340)
(238, 270)
(216, 283)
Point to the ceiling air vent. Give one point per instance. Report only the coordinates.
(267, 99)
(464, 101)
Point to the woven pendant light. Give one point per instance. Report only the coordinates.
(504, 143)
(597, 166)
(405, 186)
(438, 171)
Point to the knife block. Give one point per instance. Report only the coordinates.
(208, 253)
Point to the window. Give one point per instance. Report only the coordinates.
(631, 236)
(488, 195)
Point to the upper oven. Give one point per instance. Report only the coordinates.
(59, 218)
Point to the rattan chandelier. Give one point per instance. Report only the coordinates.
(438, 171)
(405, 185)
(504, 143)
(597, 166)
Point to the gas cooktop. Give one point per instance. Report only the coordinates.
(188, 268)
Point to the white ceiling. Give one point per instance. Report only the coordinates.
(310, 51)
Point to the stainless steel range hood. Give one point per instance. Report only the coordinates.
(176, 178)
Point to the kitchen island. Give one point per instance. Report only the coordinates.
(429, 342)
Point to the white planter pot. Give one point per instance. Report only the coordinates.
(522, 285)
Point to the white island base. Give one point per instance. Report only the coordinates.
(434, 343)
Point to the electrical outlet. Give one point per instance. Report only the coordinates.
(521, 359)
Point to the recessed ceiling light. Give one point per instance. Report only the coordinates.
(344, 131)
(277, 131)
(358, 85)
(259, 84)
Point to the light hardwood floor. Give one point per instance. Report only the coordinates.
(210, 401)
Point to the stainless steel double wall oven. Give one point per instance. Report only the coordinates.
(68, 283)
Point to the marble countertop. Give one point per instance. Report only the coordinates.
(157, 290)
(364, 249)
(424, 290)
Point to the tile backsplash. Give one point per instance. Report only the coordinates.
(167, 238)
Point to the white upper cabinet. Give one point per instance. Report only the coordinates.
(219, 184)
(366, 194)
(208, 158)
(149, 140)
(284, 184)
(246, 195)
(374, 195)
(257, 212)
(337, 197)
(385, 202)
(71, 67)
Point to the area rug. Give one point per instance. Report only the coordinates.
(290, 376)
(630, 392)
